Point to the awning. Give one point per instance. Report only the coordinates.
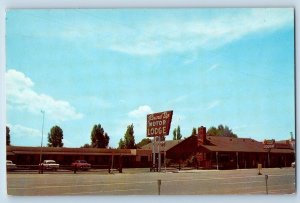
(72, 153)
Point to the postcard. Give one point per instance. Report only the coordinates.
(186, 101)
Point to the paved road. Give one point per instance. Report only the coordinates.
(142, 182)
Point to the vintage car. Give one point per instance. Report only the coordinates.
(49, 165)
(10, 166)
(293, 164)
(81, 165)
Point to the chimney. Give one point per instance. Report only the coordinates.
(201, 135)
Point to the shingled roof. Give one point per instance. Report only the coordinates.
(68, 151)
(168, 144)
(230, 144)
(226, 144)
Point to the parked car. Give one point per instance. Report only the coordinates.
(10, 166)
(293, 164)
(81, 165)
(49, 165)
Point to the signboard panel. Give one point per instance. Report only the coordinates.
(282, 146)
(269, 144)
(158, 124)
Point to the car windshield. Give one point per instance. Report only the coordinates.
(9, 162)
(82, 161)
(51, 162)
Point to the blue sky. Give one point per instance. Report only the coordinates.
(114, 66)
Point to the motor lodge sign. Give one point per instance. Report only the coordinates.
(158, 124)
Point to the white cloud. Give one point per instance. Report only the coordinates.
(137, 117)
(213, 67)
(21, 95)
(141, 111)
(180, 36)
(153, 37)
(213, 104)
(191, 59)
(23, 131)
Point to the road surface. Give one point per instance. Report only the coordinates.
(143, 182)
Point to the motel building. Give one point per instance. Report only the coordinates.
(198, 151)
(29, 157)
(218, 152)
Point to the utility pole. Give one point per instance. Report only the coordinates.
(43, 112)
(292, 136)
(292, 143)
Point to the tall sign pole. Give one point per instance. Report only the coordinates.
(165, 163)
(159, 155)
(153, 153)
(268, 145)
(158, 124)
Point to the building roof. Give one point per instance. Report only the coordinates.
(220, 143)
(10, 150)
(230, 144)
(166, 145)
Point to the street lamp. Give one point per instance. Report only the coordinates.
(43, 112)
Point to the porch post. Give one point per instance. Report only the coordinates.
(285, 160)
(217, 160)
(112, 161)
(237, 160)
(269, 158)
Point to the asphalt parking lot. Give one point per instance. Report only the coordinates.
(143, 182)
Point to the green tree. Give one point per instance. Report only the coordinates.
(106, 140)
(121, 144)
(194, 132)
(177, 134)
(55, 137)
(129, 138)
(99, 138)
(221, 131)
(7, 136)
(174, 134)
(212, 131)
(86, 146)
(143, 142)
